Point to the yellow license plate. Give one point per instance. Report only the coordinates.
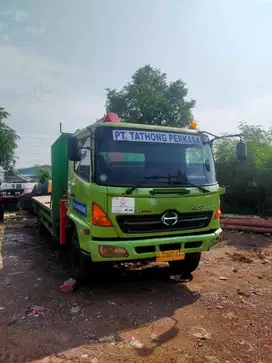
(170, 256)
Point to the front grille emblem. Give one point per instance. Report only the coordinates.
(170, 219)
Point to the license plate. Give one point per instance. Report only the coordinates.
(170, 256)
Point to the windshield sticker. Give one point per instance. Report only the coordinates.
(157, 137)
(103, 178)
(80, 208)
(123, 205)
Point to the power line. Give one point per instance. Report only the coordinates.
(39, 133)
(36, 137)
(48, 146)
(29, 155)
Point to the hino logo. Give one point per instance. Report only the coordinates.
(170, 218)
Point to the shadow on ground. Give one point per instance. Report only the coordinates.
(31, 275)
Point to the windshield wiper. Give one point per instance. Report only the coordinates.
(199, 187)
(143, 181)
(186, 182)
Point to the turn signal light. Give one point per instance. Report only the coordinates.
(218, 213)
(99, 217)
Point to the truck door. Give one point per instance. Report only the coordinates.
(79, 183)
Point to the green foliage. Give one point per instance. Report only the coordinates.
(8, 138)
(250, 184)
(149, 99)
(43, 174)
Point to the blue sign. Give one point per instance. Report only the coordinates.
(157, 137)
(80, 208)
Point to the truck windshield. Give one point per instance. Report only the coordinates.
(124, 157)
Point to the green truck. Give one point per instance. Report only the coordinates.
(129, 192)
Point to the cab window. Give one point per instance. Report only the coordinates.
(83, 167)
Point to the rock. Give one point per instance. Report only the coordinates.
(84, 356)
(75, 309)
(108, 339)
(222, 278)
(68, 286)
(230, 315)
(154, 337)
(243, 292)
(94, 360)
(212, 359)
(135, 343)
(219, 307)
(112, 303)
(200, 333)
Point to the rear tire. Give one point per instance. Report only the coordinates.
(43, 231)
(188, 265)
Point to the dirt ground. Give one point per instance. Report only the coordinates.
(223, 316)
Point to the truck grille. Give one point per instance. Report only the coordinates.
(153, 223)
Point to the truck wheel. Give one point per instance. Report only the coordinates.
(188, 265)
(41, 228)
(80, 265)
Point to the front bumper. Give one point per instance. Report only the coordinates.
(143, 249)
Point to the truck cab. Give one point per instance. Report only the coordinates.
(142, 193)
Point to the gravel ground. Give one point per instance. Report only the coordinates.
(143, 315)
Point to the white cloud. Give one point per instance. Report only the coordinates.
(19, 15)
(39, 95)
(34, 30)
(28, 72)
(254, 111)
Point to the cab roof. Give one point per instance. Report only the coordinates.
(123, 125)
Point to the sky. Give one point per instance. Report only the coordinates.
(58, 57)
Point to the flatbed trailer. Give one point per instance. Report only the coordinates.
(44, 201)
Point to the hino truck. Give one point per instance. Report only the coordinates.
(130, 192)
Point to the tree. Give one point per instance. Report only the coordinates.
(8, 138)
(43, 174)
(149, 99)
(250, 185)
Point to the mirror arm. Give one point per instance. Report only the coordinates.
(216, 137)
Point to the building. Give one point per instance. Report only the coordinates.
(32, 171)
(23, 175)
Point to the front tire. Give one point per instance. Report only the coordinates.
(79, 263)
(188, 265)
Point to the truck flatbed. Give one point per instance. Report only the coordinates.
(44, 201)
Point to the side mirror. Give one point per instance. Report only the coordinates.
(73, 149)
(241, 151)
